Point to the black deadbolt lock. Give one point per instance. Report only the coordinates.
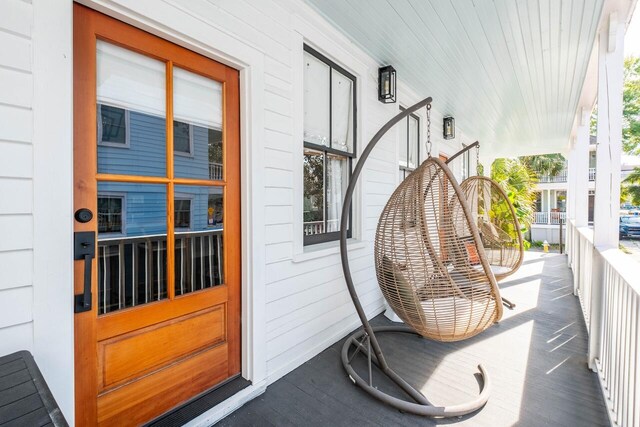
(84, 215)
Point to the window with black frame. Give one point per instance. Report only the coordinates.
(329, 145)
(409, 145)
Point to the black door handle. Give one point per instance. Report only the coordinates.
(84, 248)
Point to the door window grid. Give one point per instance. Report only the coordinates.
(329, 146)
(114, 255)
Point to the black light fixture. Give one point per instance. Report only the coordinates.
(387, 84)
(448, 128)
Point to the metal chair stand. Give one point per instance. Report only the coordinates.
(365, 341)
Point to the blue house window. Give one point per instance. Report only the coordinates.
(182, 138)
(110, 214)
(113, 126)
(182, 213)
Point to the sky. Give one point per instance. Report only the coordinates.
(632, 36)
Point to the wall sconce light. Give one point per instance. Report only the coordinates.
(449, 128)
(387, 84)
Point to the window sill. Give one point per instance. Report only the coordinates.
(326, 249)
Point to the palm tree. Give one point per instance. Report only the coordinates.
(545, 164)
(518, 181)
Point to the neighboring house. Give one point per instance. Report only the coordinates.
(551, 199)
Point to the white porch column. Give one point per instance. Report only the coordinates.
(580, 171)
(609, 150)
(570, 201)
(571, 175)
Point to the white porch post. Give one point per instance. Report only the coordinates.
(580, 212)
(571, 182)
(549, 204)
(609, 150)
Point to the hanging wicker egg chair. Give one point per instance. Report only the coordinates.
(430, 260)
(497, 222)
(432, 269)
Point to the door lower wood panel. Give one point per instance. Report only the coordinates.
(146, 350)
(155, 394)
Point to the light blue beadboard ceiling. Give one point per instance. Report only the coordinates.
(509, 71)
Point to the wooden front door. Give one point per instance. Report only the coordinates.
(157, 221)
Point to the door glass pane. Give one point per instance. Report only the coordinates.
(132, 245)
(130, 112)
(337, 182)
(197, 126)
(313, 193)
(316, 100)
(199, 254)
(402, 143)
(341, 112)
(413, 142)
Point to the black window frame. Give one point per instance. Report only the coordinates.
(406, 170)
(332, 236)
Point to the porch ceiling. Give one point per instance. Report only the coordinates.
(510, 72)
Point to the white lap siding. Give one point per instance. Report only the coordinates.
(16, 177)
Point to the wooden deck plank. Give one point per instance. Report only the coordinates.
(536, 357)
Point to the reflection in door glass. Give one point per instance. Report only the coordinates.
(198, 238)
(132, 245)
(130, 112)
(197, 124)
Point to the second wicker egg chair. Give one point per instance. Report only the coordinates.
(497, 222)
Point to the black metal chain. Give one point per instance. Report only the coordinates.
(429, 130)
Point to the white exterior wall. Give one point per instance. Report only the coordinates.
(16, 177)
(295, 302)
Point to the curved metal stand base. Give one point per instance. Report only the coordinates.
(421, 406)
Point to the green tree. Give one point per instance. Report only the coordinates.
(631, 106)
(518, 181)
(545, 164)
(630, 189)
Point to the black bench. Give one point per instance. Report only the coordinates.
(25, 399)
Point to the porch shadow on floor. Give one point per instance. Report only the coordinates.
(536, 357)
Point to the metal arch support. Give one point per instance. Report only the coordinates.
(421, 406)
(461, 152)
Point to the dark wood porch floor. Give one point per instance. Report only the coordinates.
(535, 357)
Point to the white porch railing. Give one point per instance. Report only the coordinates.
(611, 306)
(541, 217)
(317, 227)
(562, 176)
(559, 177)
(549, 218)
(215, 171)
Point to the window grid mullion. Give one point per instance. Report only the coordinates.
(326, 155)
